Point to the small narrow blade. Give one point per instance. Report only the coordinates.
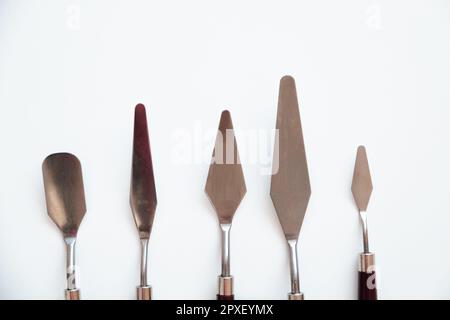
(64, 191)
(362, 182)
(290, 188)
(143, 192)
(225, 185)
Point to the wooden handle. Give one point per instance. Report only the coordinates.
(144, 293)
(367, 282)
(72, 294)
(225, 288)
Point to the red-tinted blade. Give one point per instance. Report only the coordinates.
(143, 192)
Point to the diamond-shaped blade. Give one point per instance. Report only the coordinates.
(225, 185)
(290, 188)
(362, 182)
(143, 192)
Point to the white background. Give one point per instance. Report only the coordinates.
(367, 72)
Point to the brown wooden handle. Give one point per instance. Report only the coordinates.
(72, 294)
(367, 278)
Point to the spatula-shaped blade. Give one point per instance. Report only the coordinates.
(362, 182)
(225, 185)
(143, 192)
(64, 192)
(290, 188)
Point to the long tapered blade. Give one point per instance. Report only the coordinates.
(143, 192)
(64, 191)
(225, 185)
(290, 188)
(362, 182)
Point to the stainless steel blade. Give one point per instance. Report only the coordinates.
(225, 185)
(64, 192)
(290, 187)
(143, 192)
(362, 182)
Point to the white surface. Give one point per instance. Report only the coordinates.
(368, 72)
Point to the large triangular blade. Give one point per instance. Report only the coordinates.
(225, 185)
(362, 182)
(290, 188)
(143, 192)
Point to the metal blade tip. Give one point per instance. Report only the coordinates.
(140, 108)
(225, 121)
(287, 79)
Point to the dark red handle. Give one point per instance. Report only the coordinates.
(220, 297)
(367, 286)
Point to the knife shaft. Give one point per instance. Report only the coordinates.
(225, 227)
(363, 216)
(295, 282)
(70, 262)
(144, 250)
(144, 291)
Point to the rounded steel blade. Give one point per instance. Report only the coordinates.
(64, 192)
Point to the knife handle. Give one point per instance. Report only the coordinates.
(144, 293)
(72, 294)
(367, 284)
(225, 288)
(222, 298)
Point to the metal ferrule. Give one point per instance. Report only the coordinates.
(295, 296)
(226, 286)
(72, 294)
(144, 293)
(367, 262)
